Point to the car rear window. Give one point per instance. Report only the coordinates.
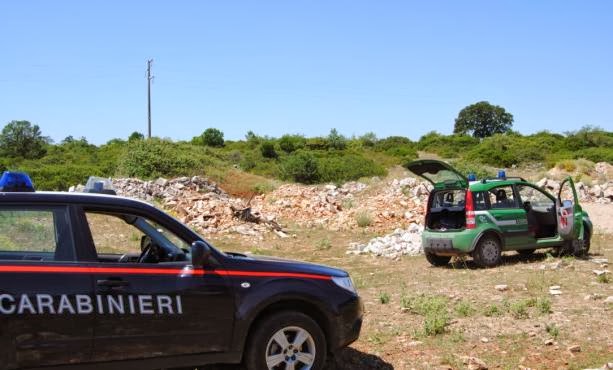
(449, 199)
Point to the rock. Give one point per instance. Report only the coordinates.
(502, 287)
(542, 182)
(574, 348)
(555, 292)
(600, 272)
(609, 300)
(398, 243)
(474, 363)
(484, 340)
(548, 342)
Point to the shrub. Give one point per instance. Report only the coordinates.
(267, 149)
(345, 167)
(384, 298)
(154, 158)
(336, 140)
(301, 167)
(212, 137)
(363, 219)
(464, 309)
(291, 143)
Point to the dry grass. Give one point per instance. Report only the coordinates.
(449, 311)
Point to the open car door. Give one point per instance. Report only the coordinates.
(439, 173)
(569, 212)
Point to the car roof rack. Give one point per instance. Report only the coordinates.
(503, 178)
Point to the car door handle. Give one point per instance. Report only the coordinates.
(112, 283)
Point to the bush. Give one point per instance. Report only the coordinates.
(267, 148)
(347, 167)
(301, 167)
(291, 143)
(336, 140)
(211, 137)
(154, 158)
(363, 219)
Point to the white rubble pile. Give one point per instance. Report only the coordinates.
(599, 193)
(398, 243)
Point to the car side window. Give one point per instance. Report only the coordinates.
(36, 234)
(130, 238)
(536, 197)
(479, 200)
(502, 197)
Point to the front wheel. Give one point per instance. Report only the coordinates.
(488, 252)
(286, 341)
(437, 260)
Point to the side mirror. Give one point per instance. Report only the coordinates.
(200, 253)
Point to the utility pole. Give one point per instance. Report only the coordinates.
(149, 78)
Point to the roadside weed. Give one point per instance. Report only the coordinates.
(384, 298)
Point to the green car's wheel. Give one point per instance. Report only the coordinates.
(437, 260)
(488, 251)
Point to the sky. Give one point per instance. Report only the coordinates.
(275, 67)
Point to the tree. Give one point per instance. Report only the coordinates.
(212, 137)
(268, 149)
(483, 119)
(135, 136)
(22, 139)
(336, 140)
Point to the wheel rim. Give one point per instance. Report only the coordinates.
(489, 251)
(291, 348)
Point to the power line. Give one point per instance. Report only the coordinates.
(149, 78)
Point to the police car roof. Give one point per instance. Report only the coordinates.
(72, 198)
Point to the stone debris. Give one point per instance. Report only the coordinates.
(574, 348)
(474, 363)
(502, 287)
(398, 243)
(597, 193)
(555, 290)
(201, 204)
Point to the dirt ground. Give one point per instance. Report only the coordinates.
(520, 326)
(601, 216)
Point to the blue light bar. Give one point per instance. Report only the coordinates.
(502, 174)
(15, 182)
(472, 177)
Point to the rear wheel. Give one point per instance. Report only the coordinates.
(284, 341)
(437, 260)
(488, 251)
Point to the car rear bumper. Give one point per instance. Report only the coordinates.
(345, 327)
(448, 243)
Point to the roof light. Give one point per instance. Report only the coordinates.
(502, 174)
(99, 185)
(472, 177)
(15, 182)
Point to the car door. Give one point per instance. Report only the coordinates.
(151, 308)
(44, 293)
(510, 218)
(568, 211)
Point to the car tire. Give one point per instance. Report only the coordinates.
(437, 260)
(488, 251)
(525, 252)
(273, 343)
(587, 240)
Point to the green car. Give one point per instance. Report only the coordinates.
(486, 217)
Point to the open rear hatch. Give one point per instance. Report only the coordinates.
(447, 202)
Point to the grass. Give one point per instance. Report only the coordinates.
(552, 330)
(464, 309)
(323, 244)
(384, 297)
(603, 278)
(493, 310)
(363, 219)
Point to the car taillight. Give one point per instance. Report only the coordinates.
(471, 223)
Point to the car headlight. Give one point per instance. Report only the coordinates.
(345, 283)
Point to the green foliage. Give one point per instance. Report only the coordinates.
(136, 136)
(363, 219)
(160, 158)
(291, 143)
(267, 148)
(464, 309)
(336, 140)
(340, 168)
(483, 119)
(433, 308)
(552, 330)
(210, 137)
(21, 139)
(384, 297)
(302, 167)
(446, 146)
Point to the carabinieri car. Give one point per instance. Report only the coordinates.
(101, 281)
(483, 218)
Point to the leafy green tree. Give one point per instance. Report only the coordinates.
(22, 139)
(212, 137)
(301, 167)
(336, 140)
(268, 149)
(135, 136)
(291, 143)
(368, 139)
(483, 119)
